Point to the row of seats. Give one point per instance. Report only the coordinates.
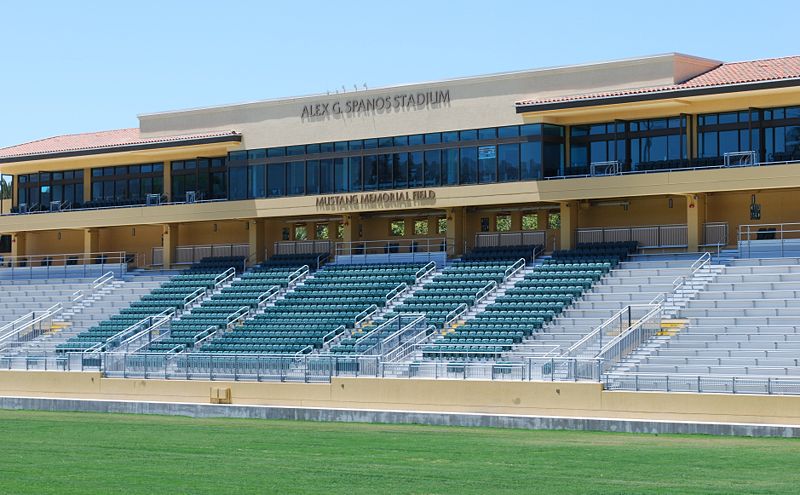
(171, 295)
(533, 302)
(314, 312)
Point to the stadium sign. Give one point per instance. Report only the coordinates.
(404, 101)
(377, 198)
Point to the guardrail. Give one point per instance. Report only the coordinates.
(360, 317)
(268, 295)
(297, 275)
(621, 320)
(189, 255)
(515, 238)
(677, 284)
(144, 337)
(631, 339)
(455, 314)
(194, 297)
(395, 293)
(392, 246)
(68, 264)
(515, 268)
(406, 326)
(730, 384)
(224, 277)
(28, 326)
(124, 334)
(96, 284)
(484, 292)
(423, 272)
(780, 233)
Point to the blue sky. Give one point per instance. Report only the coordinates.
(82, 66)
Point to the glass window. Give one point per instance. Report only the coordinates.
(326, 176)
(296, 178)
(421, 227)
(355, 174)
(433, 138)
(341, 183)
(312, 148)
(433, 168)
(300, 232)
(256, 154)
(256, 184)
(530, 130)
(708, 144)
(401, 141)
(415, 169)
(340, 146)
(416, 140)
(400, 170)
(356, 145)
(554, 221)
(553, 159)
(487, 164)
(508, 132)
(508, 162)
(370, 144)
(385, 143)
(450, 137)
(468, 135)
(530, 160)
(295, 150)
(276, 179)
(442, 226)
(450, 166)
(490, 133)
(273, 152)
(469, 165)
(321, 231)
(370, 172)
(312, 177)
(385, 172)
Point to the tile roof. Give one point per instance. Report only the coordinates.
(727, 74)
(103, 140)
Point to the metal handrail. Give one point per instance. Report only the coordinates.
(378, 328)
(453, 315)
(364, 315)
(167, 314)
(268, 295)
(297, 275)
(192, 298)
(417, 318)
(424, 271)
(34, 319)
(333, 333)
(484, 291)
(679, 282)
(237, 315)
(148, 330)
(405, 348)
(395, 293)
(612, 352)
(223, 277)
(515, 268)
(598, 332)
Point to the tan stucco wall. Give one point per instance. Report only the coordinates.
(525, 398)
(482, 101)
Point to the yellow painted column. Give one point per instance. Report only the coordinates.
(695, 220)
(91, 243)
(272, 234)
(455, 231)
(18, 244)
(569, 222)
(351, 223)
(87, 185)
(168, 180)
(171, 238)
(516, 221)
(257, 240)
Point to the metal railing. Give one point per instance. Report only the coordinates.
(28, 326)
(423, 272)
(648, 236)
(515, 238)
(224, 277)
(391, 246)
(146, 336)
(194, 298)
(66, 264)
(123, 335)
(512, 270)
(730, 384)
(740, 159)
(303, 247)
(619, 322)
(484, 291)
(631, 339)
(269, 295)
(392, 333)
(297, 275)
(702, 262)
(395, 293)
(189, 255)
(455, 314)
(784, 236)
(364, 315)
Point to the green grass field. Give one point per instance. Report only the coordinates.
(103, 453)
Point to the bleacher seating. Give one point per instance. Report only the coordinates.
(171, 295)
(233, 302)
(533, 302)
(322, 307)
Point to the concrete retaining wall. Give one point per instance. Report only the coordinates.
(399, 417)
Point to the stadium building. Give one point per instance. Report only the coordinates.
(627, 224)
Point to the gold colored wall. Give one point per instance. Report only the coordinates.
(71, 241)
(566, 399)
(222, 232)
(641, 211)
(139, 239)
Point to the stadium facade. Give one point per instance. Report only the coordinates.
(672, 150)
